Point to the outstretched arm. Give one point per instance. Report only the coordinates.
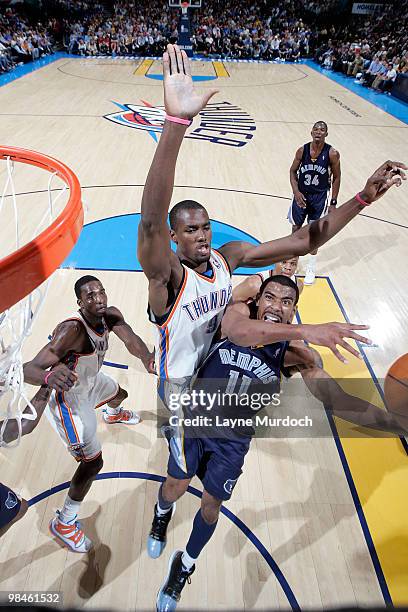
(132, 341)
(241, 330)
(154, 252)
(316, 234)
(346, 406)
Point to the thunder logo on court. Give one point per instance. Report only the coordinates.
(219, 123)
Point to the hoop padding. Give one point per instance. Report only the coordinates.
(28, 267)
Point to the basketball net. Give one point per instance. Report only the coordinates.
(184, 7)
(16, 322)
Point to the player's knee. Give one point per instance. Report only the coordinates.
(210, 509)
(174, 488)
(93, 467)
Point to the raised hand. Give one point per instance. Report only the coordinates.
(180, 98)
(389, 174)
(333, 334)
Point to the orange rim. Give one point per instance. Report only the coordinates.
(25, 269)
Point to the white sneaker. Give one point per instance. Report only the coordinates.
(129, 417)
(310, 276)
(70, 534)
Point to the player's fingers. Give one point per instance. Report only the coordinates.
(395, 180)
(350, 326)
(399, 166)
(349, 348)
(337, 354)
(179, 59)
(359, 338)
(384, 167)
(166, 64)
(172, 59)
(186, 63)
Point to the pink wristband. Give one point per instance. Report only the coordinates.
(361, 201)
(179, 120)
(46, 377)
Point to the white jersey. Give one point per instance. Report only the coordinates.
(87, 365)
(72, 413)
(184, 338)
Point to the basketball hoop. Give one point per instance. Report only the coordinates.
(184, 7)
(25, 271)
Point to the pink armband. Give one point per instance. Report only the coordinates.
(46, 377)
(361, 201)
(179, 120)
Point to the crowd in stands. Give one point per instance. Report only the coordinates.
(371, 48)
(135, 28)
(22, 41)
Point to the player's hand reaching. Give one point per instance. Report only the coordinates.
(148, 362)
(333, 334)
(389, 174)
(180, 98)
(61, 378)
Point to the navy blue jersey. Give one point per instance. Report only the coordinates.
(314, 175)
(239, 380)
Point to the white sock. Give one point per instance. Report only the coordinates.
(160, 511)
(311, 262)
(70, 510)
(113, 411)
(187, 561)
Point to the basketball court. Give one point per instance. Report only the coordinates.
(312, 522)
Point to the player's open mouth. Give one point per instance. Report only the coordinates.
(271, 318)
(203, 248)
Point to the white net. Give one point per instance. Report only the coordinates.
(24, 215)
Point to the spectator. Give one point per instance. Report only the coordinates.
(388, 79)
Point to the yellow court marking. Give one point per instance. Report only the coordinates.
(143, 68)
(379, 465)
(220, 69)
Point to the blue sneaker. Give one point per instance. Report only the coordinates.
(177, 576)
(157, 540)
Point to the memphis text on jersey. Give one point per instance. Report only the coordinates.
(313, 168)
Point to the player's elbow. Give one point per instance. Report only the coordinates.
(236, 333)
(301, 248)
(150, 224)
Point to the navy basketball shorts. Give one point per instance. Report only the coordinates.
(10, 505)
(216, 461)
(316, 207)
